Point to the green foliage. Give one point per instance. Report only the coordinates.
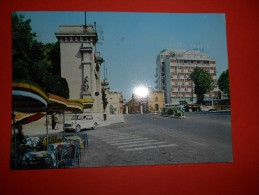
(223, 82)
(178, 114)
(53, 55)
(203, 83)
(35, 61)
(104, 99)
(22, 47)
(52, 84)
(170, 111)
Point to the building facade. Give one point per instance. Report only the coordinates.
(115, 102)
(173, 70)
(154, 102)
(132, 107)
(80, 64)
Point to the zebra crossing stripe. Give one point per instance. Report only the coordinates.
(125, 140)
(132, 142)
(141, 144)
(148, 147)
(118, 138)
(112, 133)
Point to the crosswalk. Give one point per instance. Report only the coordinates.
(128, 142)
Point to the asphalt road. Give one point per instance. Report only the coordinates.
(150, 139)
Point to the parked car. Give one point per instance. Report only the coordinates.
(80, 122)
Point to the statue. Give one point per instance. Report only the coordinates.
(86, 85)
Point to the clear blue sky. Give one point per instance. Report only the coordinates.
(131, 41)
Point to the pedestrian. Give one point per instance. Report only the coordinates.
(20, 138)
(53, 123)
(54, 120)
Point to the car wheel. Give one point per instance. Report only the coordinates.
(78, 128)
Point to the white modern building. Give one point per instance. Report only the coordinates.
(80, 64)
(173, 69)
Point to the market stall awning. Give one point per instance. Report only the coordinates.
(74, 106)
(28, 97)
(24, 118)
(56, 103)
(87, 103)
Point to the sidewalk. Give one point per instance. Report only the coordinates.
(39, 127)
(110, 119)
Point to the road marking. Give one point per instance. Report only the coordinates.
(111, 137)
(124, 140)
(149, 147)
(131, 142)
(118, 134)
(199, 143)
(141, 144)
(128, 142)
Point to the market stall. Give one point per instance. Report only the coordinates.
(27, 97)
(29, 103)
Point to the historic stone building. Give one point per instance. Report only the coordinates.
(80, 64)
(115, 102)
(154, 102)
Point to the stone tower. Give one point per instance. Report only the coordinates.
(80, 64)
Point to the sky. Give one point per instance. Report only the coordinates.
(130, 42)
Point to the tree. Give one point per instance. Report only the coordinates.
(22, 44)
(104, 99)
(203, 83)
(223, 82)
(35, 61)
(55, 84)
(29, 55)
(53, 55)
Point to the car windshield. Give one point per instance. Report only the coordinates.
(76, 117)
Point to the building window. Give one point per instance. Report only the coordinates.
(156, 99)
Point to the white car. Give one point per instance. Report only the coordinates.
(80, 122)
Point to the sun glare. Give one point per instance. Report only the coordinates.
(141, 91)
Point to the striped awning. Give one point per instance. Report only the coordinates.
(56, 103)
(74, 106)
(87, 103)
(25, 118)
(28, 97)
